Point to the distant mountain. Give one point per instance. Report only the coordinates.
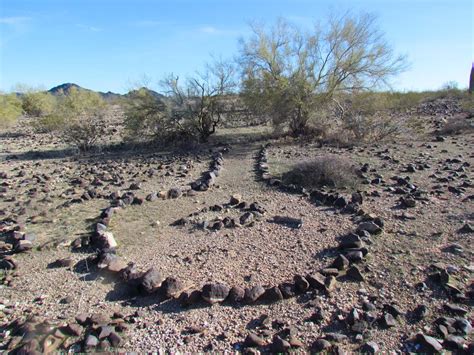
(152, 92)
(108, 96)
(67, 87)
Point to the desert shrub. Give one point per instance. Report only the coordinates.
(332, 171)
(10, 109)
(84, 118)
(48, 124)
(78, 119)
(37, 103)
(369, 116)
(146, 116)
(467, 103)
(457, 125)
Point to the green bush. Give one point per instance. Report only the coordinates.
(38, 103)
(146, 116)
(78, 118)
(10, 109)
(48, 124)
(83, 112)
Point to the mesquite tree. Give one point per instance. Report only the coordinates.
(288, 73)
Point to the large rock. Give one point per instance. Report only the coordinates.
(171, 287)
(254, 293)
(151, 280)
(370, 227)
(236, 294)
(340, 263)
(175, 192)
(272, 294)
(428, 343)
(107, 240)
(214, 293)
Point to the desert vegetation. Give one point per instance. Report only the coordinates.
(284, 201)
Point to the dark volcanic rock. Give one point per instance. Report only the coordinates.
(272, 294)
(236, 294)
(171, 287)
(254, 293)
(151, 280)
(214, 293)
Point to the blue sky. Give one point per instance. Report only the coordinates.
(110, 44)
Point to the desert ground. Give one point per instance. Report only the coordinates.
(124, 251)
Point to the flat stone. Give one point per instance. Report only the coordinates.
(214, 293)
(317, 281)
(354, 273)
(116, 265)
(115, 339)
(429, 343)
(388, 320)
(253, 341)
(370, 227)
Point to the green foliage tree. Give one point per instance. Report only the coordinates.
(37, 103)
(10, 109)
(146, 116)
(84, 118)
(289, 73)
(78, 118)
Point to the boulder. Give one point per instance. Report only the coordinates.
(236, 294)
(272, 294)
(214, 293)
(151, 280)
(254, 293)
(171, 287)
(175, 192)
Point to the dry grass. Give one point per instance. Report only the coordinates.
(458, 125)
(332, 171)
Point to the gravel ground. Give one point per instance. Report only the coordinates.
(264, 253)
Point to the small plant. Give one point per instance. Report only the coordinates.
(332, 171)
(10, 109)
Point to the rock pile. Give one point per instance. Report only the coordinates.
(96, 332)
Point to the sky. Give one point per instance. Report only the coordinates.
(111, 45)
